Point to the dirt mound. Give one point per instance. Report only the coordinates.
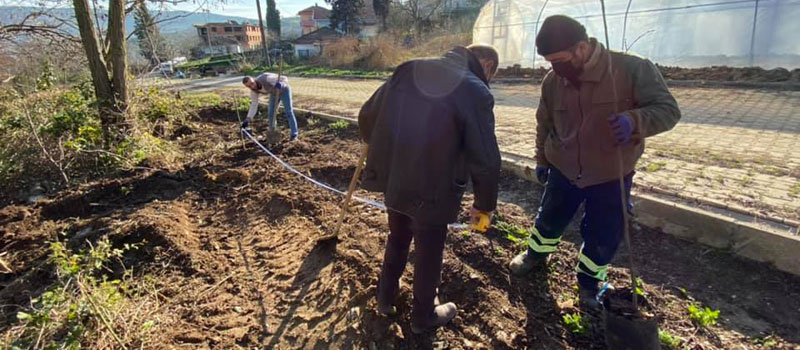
(167, 236)
(722, 73)
(716, 73)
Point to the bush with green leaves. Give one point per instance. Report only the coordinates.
(203, 100)
(84, 305)
(57, 136)
(156, 105)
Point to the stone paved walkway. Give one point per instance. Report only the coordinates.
(734, 146)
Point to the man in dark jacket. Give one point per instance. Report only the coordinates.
(597, 108)
(430, 128)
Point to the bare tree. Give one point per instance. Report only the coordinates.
(39, 23)
(420, 12)
(106, 51)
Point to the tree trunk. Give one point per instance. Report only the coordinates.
(97, 66)
(104, 92)
(264, 48)
(118, 54)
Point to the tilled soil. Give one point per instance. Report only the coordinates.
(230, 241)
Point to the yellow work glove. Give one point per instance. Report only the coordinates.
(479, 221)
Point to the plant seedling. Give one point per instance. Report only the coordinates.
(703, 316)
(339, 125)
(575, 323)
(513, 233)
(639, 288)
(668, 340)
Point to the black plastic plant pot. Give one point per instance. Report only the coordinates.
(625, 328)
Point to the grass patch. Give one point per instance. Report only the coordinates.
(334, 72)
(794, 191)
(203, 100)
(655, 166)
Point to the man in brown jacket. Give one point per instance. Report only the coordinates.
(596, 106)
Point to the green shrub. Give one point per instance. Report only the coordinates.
(57, 134)
(158, 105)
(82, 302)
(73, 113)
(242, 104)
(203, 100)
(46, 79)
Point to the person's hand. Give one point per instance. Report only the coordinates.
(622, 127)
(279, 86)
(479, 221)
(542, 173)
(245, 124)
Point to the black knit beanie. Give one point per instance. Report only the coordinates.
(559, 33)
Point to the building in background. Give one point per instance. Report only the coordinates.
(228, 37)
(312, 44)
(313, 18)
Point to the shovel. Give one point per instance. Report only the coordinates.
(346, 203)
(626, 326)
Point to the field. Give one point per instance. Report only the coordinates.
(222, 254)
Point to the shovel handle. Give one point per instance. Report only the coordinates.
(351, 188)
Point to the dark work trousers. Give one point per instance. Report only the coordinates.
(429, 248)
(601, 226)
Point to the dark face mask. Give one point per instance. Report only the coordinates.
(568, 71)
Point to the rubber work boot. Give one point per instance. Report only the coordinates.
(387, 308)
(441, 315)
(386, 302)
(587, 300)
(524, 263)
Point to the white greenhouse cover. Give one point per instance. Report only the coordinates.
(685, 33)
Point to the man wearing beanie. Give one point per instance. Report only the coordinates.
(595, 104)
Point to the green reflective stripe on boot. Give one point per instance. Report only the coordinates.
(599, 272)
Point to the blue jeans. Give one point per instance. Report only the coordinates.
(286, 98)
(601, 225)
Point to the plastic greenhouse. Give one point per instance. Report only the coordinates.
(685, 33)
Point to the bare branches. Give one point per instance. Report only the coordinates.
(162, 20)
(420, 11)
(38, 23)
(47, 154)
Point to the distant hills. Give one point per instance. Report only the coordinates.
(183, 21)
